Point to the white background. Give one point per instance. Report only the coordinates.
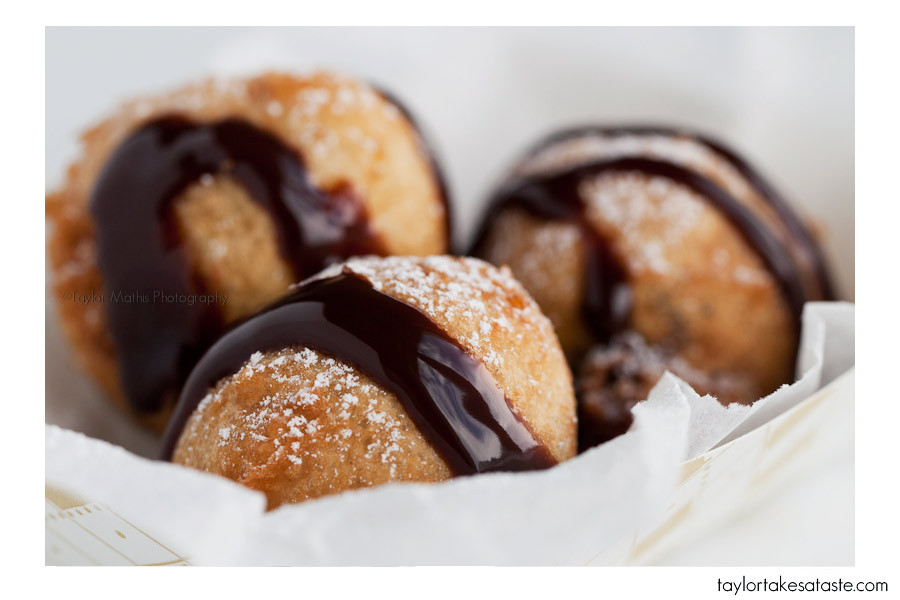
(782, 96)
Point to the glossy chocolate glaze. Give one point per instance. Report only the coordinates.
(607, 304)
(450, 395)
(139, 250)
(607, 297)
(822, 286)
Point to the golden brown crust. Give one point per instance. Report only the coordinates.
(548, 258)
(710, 296)
(233, 243)
(346, 132)
(320, 441)
(296, 424)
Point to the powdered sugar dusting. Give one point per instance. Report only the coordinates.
(681, 150)
(316, 408)
(300, 417)
(447, 289)
(652, 215)
(305, 114)
(632, 202)
(338, 96)
(557, 241)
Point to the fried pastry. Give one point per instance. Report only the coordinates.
(651, 250)
(380, 370)
(191, 210)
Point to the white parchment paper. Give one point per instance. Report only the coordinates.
(595, 504)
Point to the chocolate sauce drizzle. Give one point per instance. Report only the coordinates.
(139, 249)
(792, 222)
(607, 299)
(450, 396)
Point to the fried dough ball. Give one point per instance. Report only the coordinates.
(296, 424)
(349, 137)
(704, 303)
